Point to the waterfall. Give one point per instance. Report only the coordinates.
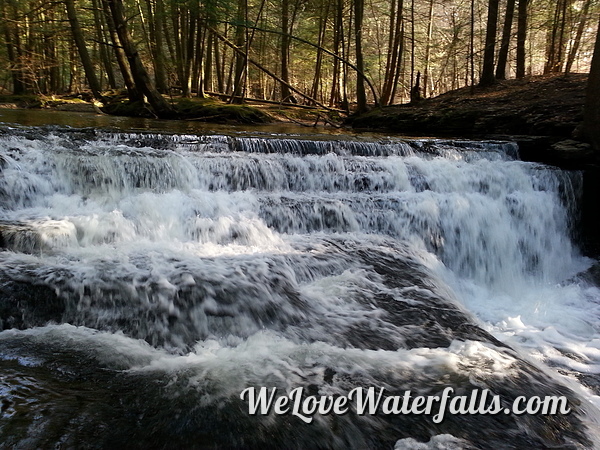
(171, 272)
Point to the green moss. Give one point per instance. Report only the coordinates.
(119, 107)
(214, 111)
(200, 109)
(23, 101)
(55, 101)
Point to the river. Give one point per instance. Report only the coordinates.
(151, 272)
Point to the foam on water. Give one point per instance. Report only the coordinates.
(229, 261)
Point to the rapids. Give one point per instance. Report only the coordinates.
(147, 279)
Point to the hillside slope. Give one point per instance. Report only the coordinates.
(549, 105)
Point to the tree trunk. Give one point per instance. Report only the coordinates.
(472, 44)
(11, 39)
(285, 50)
(140, 75)
(324, 15)
(521, 38)
(199, 62)
(86, 61)
(51, 57)
(189, 53)
(412, 42)
(505, 43)
(219, 68)
(361, 95)
(208, 63)
(132, 91)
(346, 54)
(487, 73)
(179, 31)
(583, 18)
(428, 49)
(155, 20)
(104, 53)
(556, 39)
(394, 56)
(241, 63)
(398, 65)
(561, 37)
(591, 115)
(335, 95)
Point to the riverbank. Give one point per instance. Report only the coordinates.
(207, 110)
(541, 113)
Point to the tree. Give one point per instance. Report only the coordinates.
(583, 18)
(286, 95)
(241, 58)
(505, 43)
(556, 38)
(132, 91)
(361, 95)
(335, 96)
(156, 14)
(428, 48)
(487, 73)
(591, 115)
(142, 80)
(86, 61)
(10, 23)
(394, 53)
(317, 80)
(521, 37)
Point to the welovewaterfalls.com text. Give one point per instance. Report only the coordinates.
(372, 401)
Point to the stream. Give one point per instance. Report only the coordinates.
(152, 273)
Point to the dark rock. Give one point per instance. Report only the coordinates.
(592, 275)
(25, 305)
(571, 154)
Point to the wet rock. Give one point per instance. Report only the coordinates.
(20, 237)
(76, 107)
(571, 154)
(24, 305)
(592, 275)
(37, 237)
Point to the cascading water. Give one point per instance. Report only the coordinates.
(147, 280)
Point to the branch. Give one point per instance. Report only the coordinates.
(329, 52)
(265, 70)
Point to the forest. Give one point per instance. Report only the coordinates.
(341, 54)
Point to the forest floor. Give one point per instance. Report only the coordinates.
(549, 105)
(541, 113)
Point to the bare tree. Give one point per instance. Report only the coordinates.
(86, 61)
(361, 95)
(591, 115)
(142, 80)
(521, 37)
(583, 20)
(487, 73)
(505, 43)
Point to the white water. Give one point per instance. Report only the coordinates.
(239, 259)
